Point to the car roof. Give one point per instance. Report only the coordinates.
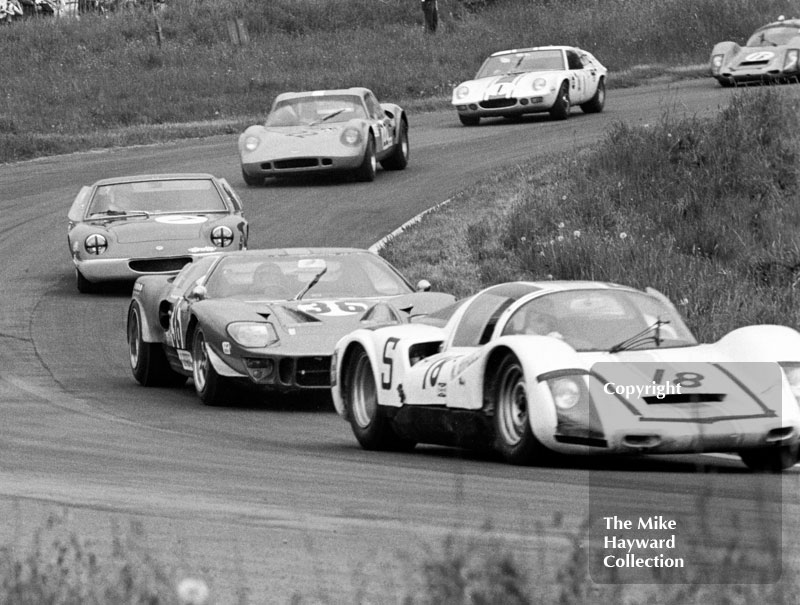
(154, 177)
(520, 288)
(356, 90)
(793, 22)
(523, 50)
(297, 252)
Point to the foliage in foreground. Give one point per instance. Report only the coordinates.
(66, 78)
(705, 210)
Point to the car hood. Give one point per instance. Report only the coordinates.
(758, 57)
(159, 228)
(499, 87)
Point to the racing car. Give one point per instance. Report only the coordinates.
(266, 318)
(531, 369)
(771, 54)
(124, 227)
(511, 83)
(321, 131)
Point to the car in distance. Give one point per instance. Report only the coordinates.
(124, 227)
(525, 368)
(512, 83)
(267, 318)
(771, 54)
(325, 131)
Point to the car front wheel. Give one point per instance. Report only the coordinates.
(469, 120)
(252, 181)
(560, 109)
(770, 459)
(513, 436)
(399, 158)
(598, 101)
(369, 165)
(210, 386)
(372, 428)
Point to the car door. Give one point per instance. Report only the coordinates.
(591, 74)
(577, 76)
(180, 299)
(381, 122)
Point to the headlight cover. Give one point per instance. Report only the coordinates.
(95, 244)
(253, 335)
(221, 236)
(461, 92)
(351, 136)
(251, 142)
(566, 391)
(792, 372)
(716, 62)
(791, 59)
(539, 84)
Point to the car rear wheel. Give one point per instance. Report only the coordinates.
(560, 109)
(210, 386)
(399, 158)
(369, 165)
(598, 101)
(513, 436)
(148, 362)
(469, 120)
(770, 459)
(372, 428)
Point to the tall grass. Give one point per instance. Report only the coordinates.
(65, 77)
(706, 211)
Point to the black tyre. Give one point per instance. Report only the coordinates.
(399, 158)
(84, 285)
(726, 82)
(369, 165)
(770, 459)
(252, 181)
(513, 436)
(598, 101)
(560, 109)
(210, 386)
(469, 120)
(372, 428)
(148, 362)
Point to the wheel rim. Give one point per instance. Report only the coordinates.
(512, 404)
(134, 338)
(565, 100)
(200, 362)
(363, 395)
(373, 162)
(601, 94)
(404, 144)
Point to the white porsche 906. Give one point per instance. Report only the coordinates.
(771, 54)
(325, 131)
(532, 368)
(511, 83)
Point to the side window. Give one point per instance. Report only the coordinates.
(373, 107)
(573, 61)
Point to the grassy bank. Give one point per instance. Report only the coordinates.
(103, 80)
(706, 211)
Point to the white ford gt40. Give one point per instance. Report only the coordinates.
(532, 368)
(511, 83)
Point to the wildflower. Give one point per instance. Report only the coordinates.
(549, 276)
(563, 198)
(192, 591)
(576, 233)
(623, 235)
(523, 239)
(561, 225)
(684, 301)
(560, 238)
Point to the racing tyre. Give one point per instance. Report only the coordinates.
(369, 165)
(372, 428)
(252, 181)
(598, 101)
(469, 120)
(560, 109)
(210, 386)
(513, 436)
(84, 285)
(399, 158)
(148, 362)
(770, 459)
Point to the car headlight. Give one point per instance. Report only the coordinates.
(253, 334)
(251, 142)
(566, 392)
(95, 244)
(792, 373)
(221, 236)
(539, 84)
(790, 61)
(716, 61)
(461, 92)
(351, 136)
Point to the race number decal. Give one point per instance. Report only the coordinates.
(388, 362)
(763, 55)
(181, 219)
(332, 307)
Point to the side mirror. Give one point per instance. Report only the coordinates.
(197, 293)
(423, 285)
